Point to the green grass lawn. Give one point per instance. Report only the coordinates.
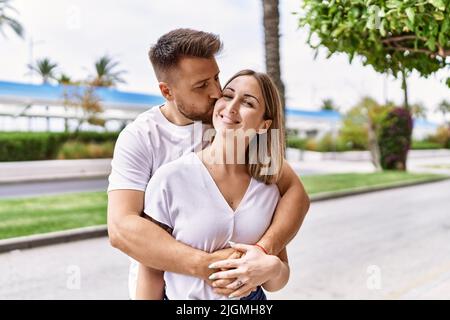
(19, 217)
(347, 181)
(439, 166)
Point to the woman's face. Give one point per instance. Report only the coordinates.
(241, 106)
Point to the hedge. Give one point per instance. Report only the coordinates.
(25, 146)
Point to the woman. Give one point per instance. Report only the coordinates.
(226, 193)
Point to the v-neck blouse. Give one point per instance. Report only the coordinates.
(211, 185)
(183, 195)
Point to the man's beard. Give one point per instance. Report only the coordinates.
(203, 117)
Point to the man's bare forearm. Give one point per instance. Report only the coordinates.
(289, 214)
(146, 242)
(152, 246)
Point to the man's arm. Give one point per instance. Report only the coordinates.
(289, 214)
(149, 244)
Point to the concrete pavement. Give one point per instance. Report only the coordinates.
(88, 269)
(27, 178)
(385, 245)
(29, 189)
(27, 171)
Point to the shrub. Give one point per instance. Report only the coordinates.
(442, 136)
(295, 142)
(22, 146)
(395, 139)
(330, 144)
(25, 146)
(79, 150)
(92, 136)
(425, 145)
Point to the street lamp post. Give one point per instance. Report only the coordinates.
(31, 44)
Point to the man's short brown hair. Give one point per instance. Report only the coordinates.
(177, 43)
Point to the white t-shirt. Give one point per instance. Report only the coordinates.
(141, 148)
(183, 195)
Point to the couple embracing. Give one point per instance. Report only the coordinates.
(200, 196)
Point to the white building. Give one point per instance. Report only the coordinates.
(26, 107)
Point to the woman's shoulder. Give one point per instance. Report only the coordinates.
(270, 188)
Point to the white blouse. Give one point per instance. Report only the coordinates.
(183, 195)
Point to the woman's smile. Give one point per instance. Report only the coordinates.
(228, 120)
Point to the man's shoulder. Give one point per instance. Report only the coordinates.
(144, 121)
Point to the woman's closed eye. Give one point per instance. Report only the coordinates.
(248, 104)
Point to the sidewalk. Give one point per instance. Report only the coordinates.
(309, 162)
(303, 162)
(28, 171)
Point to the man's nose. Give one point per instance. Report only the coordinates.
(216, 92)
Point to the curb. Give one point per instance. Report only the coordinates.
(71, 177)
(33, 241)
(356, 191)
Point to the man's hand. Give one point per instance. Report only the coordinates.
(204, 272)
(246, 273)
(220, 286)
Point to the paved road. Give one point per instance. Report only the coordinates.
(88, 269)
(27, 189)
(387, 245)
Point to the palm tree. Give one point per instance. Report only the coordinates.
(64, 79)
(418, 110)
(45, 68)
(6, 20)
(271, 22)
(328, 104)
(105, 75)
(444, 108)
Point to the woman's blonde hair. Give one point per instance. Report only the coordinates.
(272, 142)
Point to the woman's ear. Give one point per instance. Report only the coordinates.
(265, 126)
(165, 91)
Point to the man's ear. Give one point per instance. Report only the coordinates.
(165, 91)
(265, 126)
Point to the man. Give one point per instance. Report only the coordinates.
(188, 76)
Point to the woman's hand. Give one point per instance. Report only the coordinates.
(221, 286)
(251, 270)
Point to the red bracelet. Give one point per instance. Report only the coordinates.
(262, 248)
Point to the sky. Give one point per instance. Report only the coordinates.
(75, 33)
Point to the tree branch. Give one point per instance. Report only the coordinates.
(402, 38)
(441, 52)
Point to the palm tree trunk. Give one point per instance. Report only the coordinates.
(272, 44)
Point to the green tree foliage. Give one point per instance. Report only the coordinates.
(362, 125)
(45, 68)
(328, 104)
(6, 20)
(393, 36)
(106, 74)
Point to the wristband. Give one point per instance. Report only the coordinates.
(262, 248)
